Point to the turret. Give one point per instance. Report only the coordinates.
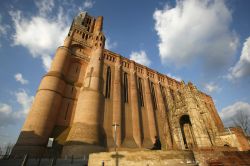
(42, 116)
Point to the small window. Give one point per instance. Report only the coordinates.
(172, 94)
(163, 92)
(66, 113)
(125, 87)
(108, 82)
(152, 89)
(141, 102)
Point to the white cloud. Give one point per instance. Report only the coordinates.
(3, 29)
(24, 100)
(231, 111)
(87, 4)
(174, 77)
(211, 87)
(140, 57)
(5, 108)
(8, 116)
(44, 6)
(195, 29)
(19, 78)
(242, 67)
(110, 45)
(40, 35)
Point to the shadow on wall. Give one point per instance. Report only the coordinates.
(30, 143)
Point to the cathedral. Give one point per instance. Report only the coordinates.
(94, 100)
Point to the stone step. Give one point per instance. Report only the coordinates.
(143, 158)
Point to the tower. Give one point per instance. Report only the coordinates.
(86, 130)
(76, 72)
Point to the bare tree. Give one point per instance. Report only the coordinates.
(8, 148)
(241, 119)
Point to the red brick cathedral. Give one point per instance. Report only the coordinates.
(89, 88)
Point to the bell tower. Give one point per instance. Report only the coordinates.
(82, 51)
(85, 133)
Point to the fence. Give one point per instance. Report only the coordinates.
(25, 160)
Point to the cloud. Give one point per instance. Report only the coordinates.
(242, 67)
(110, 45)
(19, 78)
(24, 100)
(44, 6)
(228, 113)
(87, 4)
(5, 108)
(3, 29)
(195, 30)
(140, 57)
(211, 87)
(40, 35)
(8, 116)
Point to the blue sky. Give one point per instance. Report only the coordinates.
(205, 42)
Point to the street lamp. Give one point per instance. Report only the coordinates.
(115, 126)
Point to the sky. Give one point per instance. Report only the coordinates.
(206, 42)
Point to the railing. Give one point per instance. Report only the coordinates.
(25, 160)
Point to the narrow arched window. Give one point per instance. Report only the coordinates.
(125, 87)
(108, 82)
(163, 92)
(66, 112)
(141, 102)
(152, 89)
(172, 94)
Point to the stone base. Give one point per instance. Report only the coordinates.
(129, 143)
(225, 157)
(147, 143)
(81, 151)
(143, 158)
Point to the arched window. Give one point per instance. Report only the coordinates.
(152, 89)
(172, 94)
(141, 102)
(125, 87)
(66, 112)
(163, 92)
(108, 82)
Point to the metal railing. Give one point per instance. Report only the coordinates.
(25, 160)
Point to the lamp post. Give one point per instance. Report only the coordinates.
(115, 127)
